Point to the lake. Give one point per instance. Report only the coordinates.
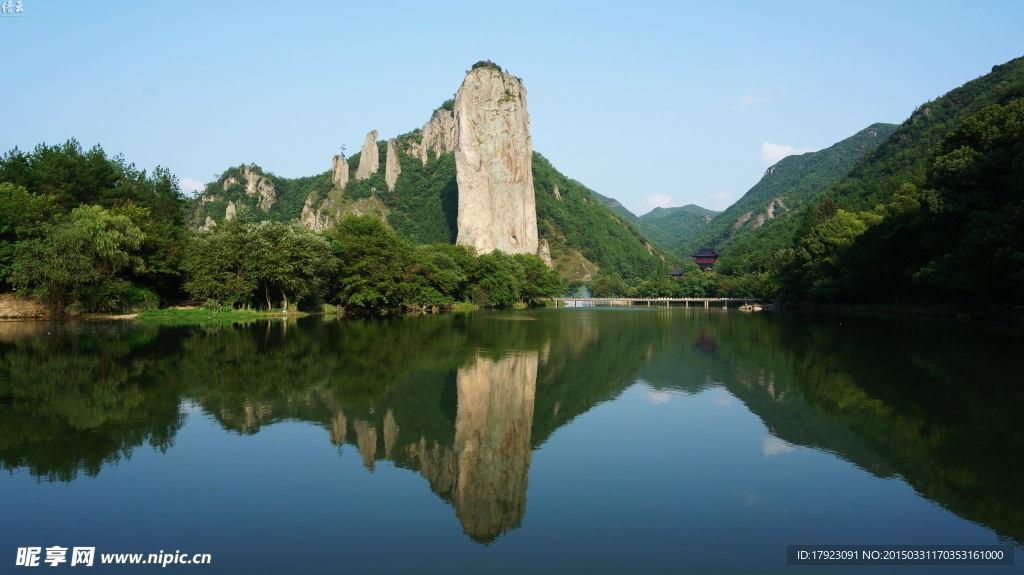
(593, 440)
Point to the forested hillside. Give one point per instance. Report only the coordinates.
(583, 235)
(575, 222)
(666, 228)
(934, 214)
(673, 227)
(761, 222)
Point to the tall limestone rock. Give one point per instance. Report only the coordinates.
(368, 158)
(493, 159)
(339, 172)
(391, 167)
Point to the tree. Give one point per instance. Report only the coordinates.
(82, 260)
(232, 262)
(291, 258)
(539, 280)
(23, 216)
(372, 263)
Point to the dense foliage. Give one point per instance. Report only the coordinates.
(83, 232)
(61, 198)
(486, 64)
(360, 263)
(957, 237)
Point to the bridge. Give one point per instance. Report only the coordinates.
(666, 301)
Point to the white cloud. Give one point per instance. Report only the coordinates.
(190, 186)
(772, 153)
(657, 396)
(658, 201)
(747, 100)
(772, 445)
(722, 195)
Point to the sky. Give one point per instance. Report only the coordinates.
(654, 104)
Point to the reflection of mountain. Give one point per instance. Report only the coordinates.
(460, 399)
(937, 405)
(463, 399)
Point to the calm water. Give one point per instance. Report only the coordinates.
(548, 441)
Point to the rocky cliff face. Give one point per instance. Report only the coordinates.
(229, 212)
(257, 184)
(319, 215)
(440, 135)
(339, 172)
(369, 160)
(544, 251)
(391, 166)
(494, 164)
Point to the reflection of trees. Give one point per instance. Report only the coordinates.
(935, 404)
(462, 399)
(451, 397)
(72, 402)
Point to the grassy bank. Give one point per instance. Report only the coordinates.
(173, 314)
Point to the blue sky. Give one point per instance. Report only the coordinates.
(650, 103)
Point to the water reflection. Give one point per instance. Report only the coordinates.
(463, 400)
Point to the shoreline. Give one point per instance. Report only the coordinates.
(963, 313)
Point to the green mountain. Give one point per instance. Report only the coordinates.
(934, 213)
(761, 222)
(671, 227)
(905, 157)
(616, 207)
(584, 236)
(666, 228)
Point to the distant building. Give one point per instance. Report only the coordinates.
(705, 258)
(675, 273)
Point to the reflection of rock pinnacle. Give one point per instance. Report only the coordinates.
(390, 435)
(366, 442)
(492, 443)
(339, 428)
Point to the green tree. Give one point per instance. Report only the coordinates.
(539, 281)
(23, 216)
(82, 261)
(291, 258)
(373, 262)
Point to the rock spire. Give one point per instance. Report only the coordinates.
(339, 172)
(368, 158)
(391, 166)
(493, 161)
